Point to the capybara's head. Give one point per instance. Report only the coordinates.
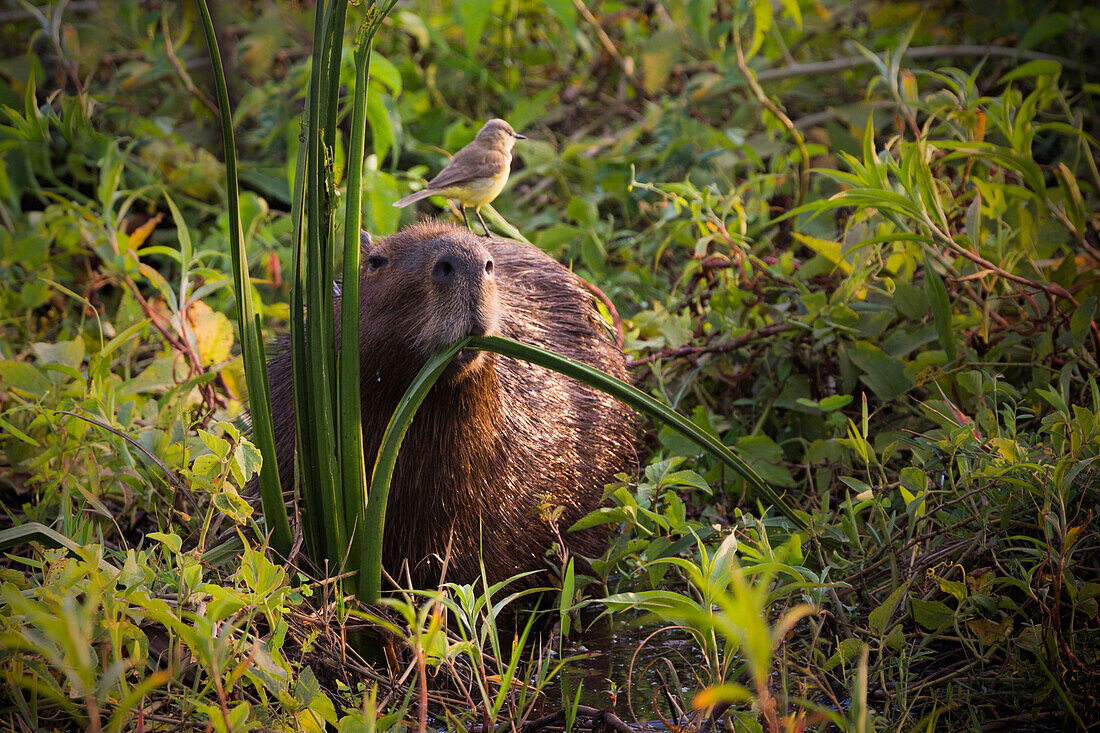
(424, 288)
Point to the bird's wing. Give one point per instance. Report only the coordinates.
(469, 165)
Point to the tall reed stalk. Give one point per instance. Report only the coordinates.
(332, 473)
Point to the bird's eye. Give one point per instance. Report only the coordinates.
(376, 261)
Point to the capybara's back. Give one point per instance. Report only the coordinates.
(497, 443)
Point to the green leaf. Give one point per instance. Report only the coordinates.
(17, 433)
(793, 12)
(207, 464)
(217, 446)
(829, 250)
(566, 599)
(835, 402)
(932, 615)
(307, 687)
(24, 377)
(251, 343)
(910, 301)
(658, 58)
(247, 461)
(69, 353)
(1038, 67)
(883, 374)
(230, 503)
(566, 12)
(171, 541)
(974, 220)
(1081, 321)
(936, 292)
(766, 457)
(383, 71)
(762, 23)
(954, 587)
(686, 478)
(880, 617)
(473, 14)
(914, 479)
(728, 692)
(381, 128)
(1047, 26)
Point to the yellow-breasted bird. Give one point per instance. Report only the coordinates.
(476, 174)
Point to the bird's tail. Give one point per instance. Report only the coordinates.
(414, 197)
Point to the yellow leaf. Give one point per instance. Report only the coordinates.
(1008, 449)
(213, 333)
(828, 250)
(139, 235)
(977, 132)
(728, 692)
(233, 376)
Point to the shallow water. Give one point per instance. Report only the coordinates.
(666, 663)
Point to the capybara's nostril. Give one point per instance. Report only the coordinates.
(444, 270)
(489, 266)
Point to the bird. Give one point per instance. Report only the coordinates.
(476, 174)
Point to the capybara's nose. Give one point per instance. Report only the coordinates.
(444, 270)
(448, 267)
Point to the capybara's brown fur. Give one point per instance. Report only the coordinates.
(497, 441)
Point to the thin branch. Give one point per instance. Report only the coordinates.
(627, 65)
(715, 349)
(615, 319)
(832, 66)
(181, 72)
(758, 92)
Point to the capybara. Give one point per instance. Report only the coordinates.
(498, 442)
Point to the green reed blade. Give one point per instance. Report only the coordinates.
(370, 576)
(645, 404)
(271, 496)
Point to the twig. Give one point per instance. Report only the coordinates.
(537, 724)
(609, 46)
(181, 72)
(715, 349)
(832, 66)
(1054, 290)
(758, 92)
(173, 479)
(422, 673)
(606, 717)
(9, 16)
(52, 28)
(615, 319)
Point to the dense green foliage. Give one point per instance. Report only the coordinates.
(872, 269)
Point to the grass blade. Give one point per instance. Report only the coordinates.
(319, 388)
(255, 367)
(354, 474)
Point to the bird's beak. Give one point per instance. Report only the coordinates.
(520, 137)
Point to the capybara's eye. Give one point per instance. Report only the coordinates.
(376, 261)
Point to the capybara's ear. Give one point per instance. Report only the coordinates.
(365, 242)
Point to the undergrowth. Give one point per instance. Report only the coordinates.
(872, 269)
